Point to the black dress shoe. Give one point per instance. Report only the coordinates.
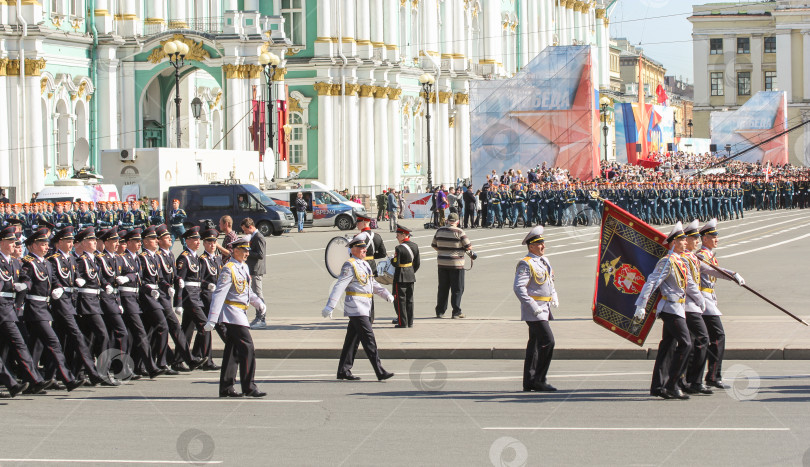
(71, 385)
(663, 394)
(181, 367)
(716, 384)
(169, 372)
(440, 315)
(348, 377)
(230, 393)
(17, 388)
(255, 393)
(676, 394)
(698, 388)
(197, 363)
(96, 380)
(401, 326)
(211, 367)
(134, 377)
(544, 387)
(394, 321)
(156, 373)
(385, 376)
(47, 383)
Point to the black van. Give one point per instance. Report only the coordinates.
(236, 200)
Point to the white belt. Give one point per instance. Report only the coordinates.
(89, 291)
(8, 294)
(128, 289)
(193, 284)
(37, 298)
(177, 225)
(67, 289)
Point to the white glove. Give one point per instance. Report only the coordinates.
(56, 293)
(181, 283)
(739, 279)
(263, 308)
(109, 289)
(211, 287)
(80, 282)
(155, 294)
(209, 326)
(121, 308)
(19, 286)
(151, 286)
(639, 314)
(179, 310)
(122, 280)
(555, 302)
(327, 312)
(171, 292)
(390, 299)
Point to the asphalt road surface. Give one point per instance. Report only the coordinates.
(768, 248)
(451, 412)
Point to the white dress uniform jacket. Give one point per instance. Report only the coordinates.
(230, 300)
(708, 277)
(357, 280)
(692, 305)
(671, 276)
(534, 287)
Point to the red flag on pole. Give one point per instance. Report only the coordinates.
(661, 93)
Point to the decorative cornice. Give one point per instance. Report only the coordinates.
(451, 122)
(242, 71)
(34, 67)
(293, 105)
(323, 89)
(279, 74)
(381, 92)
(444, 97)
(178, 24)
(394, 93)
(351, 89)
(127, 17)
(3, 65)
(367, 90)
(102, 13)
(336, 89)
(154, 21)
(13, 67)
(462, 98)
(195, 50)
(432, 97)
(600, 13)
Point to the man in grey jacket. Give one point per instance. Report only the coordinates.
(256, 265)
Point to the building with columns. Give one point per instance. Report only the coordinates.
(743, 48)
(94, 71)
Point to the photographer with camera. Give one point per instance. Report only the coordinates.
(451, 244)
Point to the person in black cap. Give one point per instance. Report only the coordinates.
(189, 281)
(210, 267)
(152, 309)
(167, 289)
(129, 282)
(406, 263)
(65, 286)
(229, 311)
(108, 262)
(357, 280)
(88, 304)
(14, 347)
(375, 249)
(37, 275)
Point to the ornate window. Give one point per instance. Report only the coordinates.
(298, 119)
(294, 21)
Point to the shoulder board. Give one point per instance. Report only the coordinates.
(143, 253)
(527, 258)
(184, 253)
(28, 258)
(54, 255)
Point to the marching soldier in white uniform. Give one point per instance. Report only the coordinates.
(229, 305)
(671, 277)
(708, 277)
(694, 317)
(357, 280)
(534, 287)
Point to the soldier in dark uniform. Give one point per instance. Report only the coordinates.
(171, 304)
(519, 206)
(406, 263)
(86, 218)
(129, 284)
(108, 265)
(127, 217)
(15, 348)
(189, 281)
(149, 298)
(106, 217)
(156, 214)
(772, 191)
(210, 267)
(494, 207)
(375, 250)
(88, 305)
(176, 218)
(37, 276)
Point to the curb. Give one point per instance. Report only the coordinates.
(519, 354)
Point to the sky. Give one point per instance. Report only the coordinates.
(660, 27)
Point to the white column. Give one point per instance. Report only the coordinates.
(351, 137)
(323, 41)
(381, 130)
(547, 22)
(348, 31)
(367, 158)
(730, 71)
(459, 43)
(700, 51)
(5, 142)
(177, 14)
(462, 135)
(104, 17)
(757, 75)
(326, 143)
(428, 11)
(36, 151)
(806, 65)
(448, 46)
(107, 91)
(562, 22)
(391, 30)
(231, 5)
(251, 5)
(577, 32)
(127, 108)
(363, 29)
(492, 30)
(569, 18)
(784, 70)
(378, 25)
(237, 106)
(443, 157)
(395, 138)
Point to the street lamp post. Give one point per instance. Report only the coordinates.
(427, 82)
(176, 51)
(689, 127)
(269, 61)
(605, 104)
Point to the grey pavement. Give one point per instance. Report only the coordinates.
(770, 249)
(433, 412)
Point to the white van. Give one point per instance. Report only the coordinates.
(76, 190)
(325, 207)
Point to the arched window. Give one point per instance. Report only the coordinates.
(298, 139)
